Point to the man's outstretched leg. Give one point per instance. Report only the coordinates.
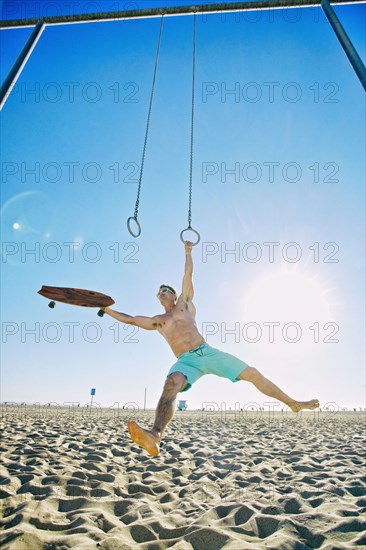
(267, 387)
(150, 439)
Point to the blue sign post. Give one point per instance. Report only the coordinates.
(92, 393)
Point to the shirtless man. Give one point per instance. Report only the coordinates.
(195, 358)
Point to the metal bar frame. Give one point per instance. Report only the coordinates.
(345, 42)
(20, 62)
(23, 57)
(170, 11)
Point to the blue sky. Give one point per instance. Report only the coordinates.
(279, 173)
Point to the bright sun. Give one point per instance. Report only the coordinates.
(289, 307)
(288, 296)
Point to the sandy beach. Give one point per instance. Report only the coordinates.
(73, 479)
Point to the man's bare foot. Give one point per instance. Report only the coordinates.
(297, 406)
(144, 438)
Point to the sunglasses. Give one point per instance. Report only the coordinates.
(164, 290)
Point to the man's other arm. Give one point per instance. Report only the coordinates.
(148, 323)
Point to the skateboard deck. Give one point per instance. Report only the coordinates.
(76, 297)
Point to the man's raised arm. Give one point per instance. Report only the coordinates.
(148, 323)
(187, 287)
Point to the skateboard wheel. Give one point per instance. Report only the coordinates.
(52, 305)
(101, 313)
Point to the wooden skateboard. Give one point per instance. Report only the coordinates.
(76, 297)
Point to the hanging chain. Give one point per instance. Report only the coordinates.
(190, 228)
(192, 124)
(148, 121)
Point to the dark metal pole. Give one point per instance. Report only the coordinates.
(345, 42)
(19, 63)
(169, 10)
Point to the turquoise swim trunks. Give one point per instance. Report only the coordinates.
(207, 360)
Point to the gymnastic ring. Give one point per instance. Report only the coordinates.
(138, 233)
(194, 231)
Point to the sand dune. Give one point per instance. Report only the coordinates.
(77, 481)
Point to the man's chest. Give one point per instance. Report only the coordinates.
(178, 315)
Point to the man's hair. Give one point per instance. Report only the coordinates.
(170, 288)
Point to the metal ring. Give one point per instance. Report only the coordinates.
(194, 231)
(136, 235)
